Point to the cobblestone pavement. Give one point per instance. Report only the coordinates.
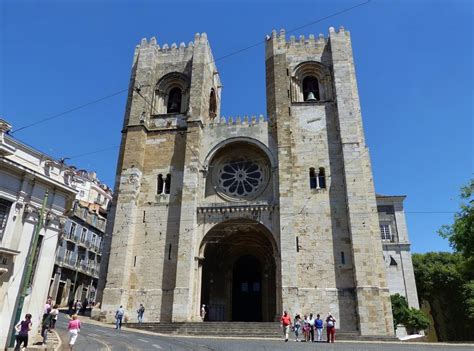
(98, 336)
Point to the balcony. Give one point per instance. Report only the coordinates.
(70, 261)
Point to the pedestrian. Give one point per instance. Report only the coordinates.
(311, 327)
(78, 307)
(74, 326)
(203, 312)
(118, 317)
(47, 305)
(140, 313)
(54, 313)
(318, 323)
(297, 327)
(70, 306)
(306, 328)
(331, 327)
(285, 322)
(84, 307)
(46, 326)
(22, 329)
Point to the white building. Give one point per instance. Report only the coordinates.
(26, 175)
(396, 248)
(79, 254)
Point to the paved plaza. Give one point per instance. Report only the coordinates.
(97, 336)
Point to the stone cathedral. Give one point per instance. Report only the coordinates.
(252, 215)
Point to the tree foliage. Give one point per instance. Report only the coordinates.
(414, 320)
(446, 280)
(461, 233)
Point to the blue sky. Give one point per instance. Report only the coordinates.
(413, 61)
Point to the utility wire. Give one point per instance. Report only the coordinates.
(292, 30)
(213, 61)
(69, 111)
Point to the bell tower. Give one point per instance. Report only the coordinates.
(173, 91)
(331, 254)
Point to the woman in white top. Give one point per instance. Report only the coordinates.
(55, 313)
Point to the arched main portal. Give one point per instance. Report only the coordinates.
(239, 272)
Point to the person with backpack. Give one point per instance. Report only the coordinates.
(318, 324)
(140, 313)
(46, 326)
(330, 327)
(118, 318)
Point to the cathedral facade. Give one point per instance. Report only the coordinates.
(248, 215)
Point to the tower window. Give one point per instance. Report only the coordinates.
(174, 101)
(385, 232)
(343, 258)
(160, 185)
(313, 180)
(310, 89)
(212, 104)
(393, 262)
(168, 184)
(322, 178)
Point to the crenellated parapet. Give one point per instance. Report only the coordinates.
(199, 39)
(238, 120)
(278, 41)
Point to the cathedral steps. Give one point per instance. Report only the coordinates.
(237, 329)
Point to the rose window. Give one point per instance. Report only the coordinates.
(240, 178)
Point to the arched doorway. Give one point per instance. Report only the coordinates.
(239, 272)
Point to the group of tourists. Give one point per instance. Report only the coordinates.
(308, 328)
(48, 324)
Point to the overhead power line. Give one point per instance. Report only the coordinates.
(232, 53)
(61, 114)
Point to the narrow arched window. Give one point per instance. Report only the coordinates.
(310, 89)
(322, 178)
(212, 104)
(312, 179)
(160, 185)
(174, 100)
(168, 184)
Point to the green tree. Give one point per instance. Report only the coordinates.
(440, 280)
(461, 233)
(414, 320)
(399, 309)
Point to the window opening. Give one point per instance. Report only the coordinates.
(4, 211)
(212, 104)
(322, 178)
(168, 184)
(343, 258)
(72, 230)
(83, 235)
(393, 262)
(174, 101)
(385, 232)
(310, 89)
(161, 183)
(312, 179)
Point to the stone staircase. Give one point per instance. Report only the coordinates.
(238, 330)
